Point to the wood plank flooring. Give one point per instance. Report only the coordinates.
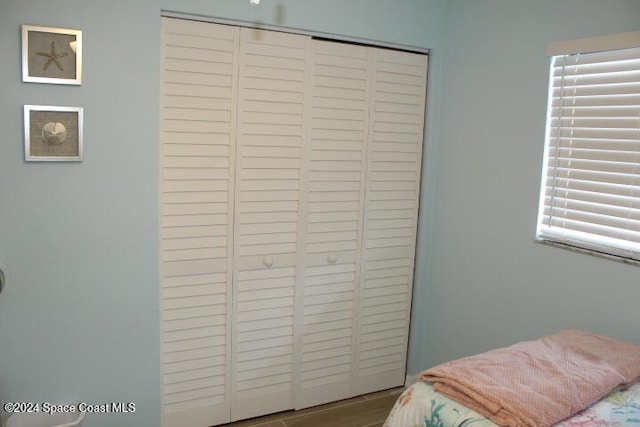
(369, 410)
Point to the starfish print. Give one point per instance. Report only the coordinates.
(53, 57)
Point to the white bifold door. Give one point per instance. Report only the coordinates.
(290, 172)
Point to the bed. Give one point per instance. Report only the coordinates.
(421, 406)
(569, 379)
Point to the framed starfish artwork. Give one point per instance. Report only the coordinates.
(51, 55)
(53, 133)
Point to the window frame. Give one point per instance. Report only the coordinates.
(566, 238)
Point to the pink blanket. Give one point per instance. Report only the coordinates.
(541, 382)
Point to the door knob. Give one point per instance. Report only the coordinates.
(267, 261)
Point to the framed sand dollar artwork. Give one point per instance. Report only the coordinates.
(51, 55)
(53, 133)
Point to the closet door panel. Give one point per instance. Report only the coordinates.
(196, 220)
(336, 161)
(269, 162)
(393, 176)
(290, 173)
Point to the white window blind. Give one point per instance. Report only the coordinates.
(590, 195)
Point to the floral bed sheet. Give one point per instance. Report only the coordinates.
(421, 406)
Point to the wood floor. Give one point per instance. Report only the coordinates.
(370, 410)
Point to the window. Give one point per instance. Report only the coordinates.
(590, 192)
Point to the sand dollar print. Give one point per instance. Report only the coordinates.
(54, 133)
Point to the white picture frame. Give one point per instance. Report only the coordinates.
(51, 55)
(53, 133)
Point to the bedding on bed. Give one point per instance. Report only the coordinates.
(539, 383)
(421, 406)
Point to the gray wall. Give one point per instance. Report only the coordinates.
(488, 283)
(79, 318)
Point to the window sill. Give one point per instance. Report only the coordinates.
(588, 251)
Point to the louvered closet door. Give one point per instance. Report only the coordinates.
(270, 141)
(336, 149)
(393, 177)
(196, 220)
